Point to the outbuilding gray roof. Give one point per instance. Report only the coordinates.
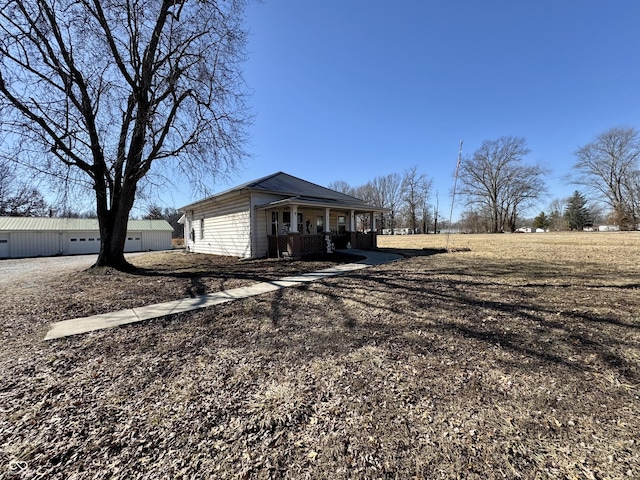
(39, 224)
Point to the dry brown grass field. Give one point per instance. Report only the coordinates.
(515, 356)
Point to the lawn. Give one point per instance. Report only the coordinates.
(514, 356)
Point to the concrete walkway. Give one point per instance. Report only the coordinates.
(106, 320)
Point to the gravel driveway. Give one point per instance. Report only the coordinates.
(20, 270)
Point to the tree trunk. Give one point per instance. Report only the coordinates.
(113, 235)
(113, 227)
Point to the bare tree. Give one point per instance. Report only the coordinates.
(496, 178)
(473, 221)
(19, 198)
(388, 194)
(415, 191)
(557, 219)
(106, 91)
(342, 187)
(610, 167)
(154, 212)
(377, 198)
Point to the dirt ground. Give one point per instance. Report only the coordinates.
(517, 356)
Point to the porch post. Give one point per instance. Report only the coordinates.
(327, 217)
(353, 235)
(374, 233)
(294, 218)
(294, 241)
(327, 231)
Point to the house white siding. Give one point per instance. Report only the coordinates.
(220, 228)
(333, 219)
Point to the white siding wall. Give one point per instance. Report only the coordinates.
(4, 245)
(312, 215)
(226, 228)
(80, 243)
(156, 240)
(34, 244)
(333, 219)
(133, 243)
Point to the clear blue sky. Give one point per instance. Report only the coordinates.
(354, 89)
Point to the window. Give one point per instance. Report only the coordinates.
(202, 229)
(92, 239)
(319, 224)
(4, 241)
(274, 223)
(83, 239)
(342, 224)
(300, 225)
(74, 239)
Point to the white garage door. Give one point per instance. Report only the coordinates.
(4, 246)
(134, 242)
(82, 243)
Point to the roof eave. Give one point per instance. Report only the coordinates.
(322, 204)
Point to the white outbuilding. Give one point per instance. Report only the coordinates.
(42, 237)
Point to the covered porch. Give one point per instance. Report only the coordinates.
(299, 226)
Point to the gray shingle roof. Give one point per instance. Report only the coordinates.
(287, 185)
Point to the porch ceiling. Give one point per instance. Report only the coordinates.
(321, 203)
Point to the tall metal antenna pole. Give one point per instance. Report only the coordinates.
(435, 214)
(453, 196)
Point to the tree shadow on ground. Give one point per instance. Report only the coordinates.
(414, 252)
(544, 325)
(231, 274)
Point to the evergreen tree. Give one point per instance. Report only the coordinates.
(541, 221)
(576, 214)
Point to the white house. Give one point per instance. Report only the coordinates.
(608, 228)
(274, 215)
(41, 237)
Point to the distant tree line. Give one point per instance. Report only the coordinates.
(571, 213)
(497, 186)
